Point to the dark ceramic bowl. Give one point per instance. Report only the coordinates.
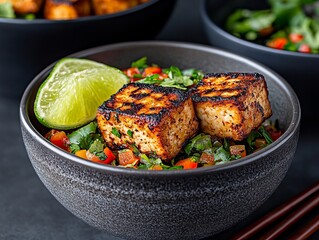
(299, 69)
(27, 47)
(177, 204)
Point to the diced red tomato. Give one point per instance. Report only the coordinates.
(151, 70)
(187, 163)
(59, 138)
(126, 157)
(278, 43)
(304, 48)
(295, 37)
(238, 150)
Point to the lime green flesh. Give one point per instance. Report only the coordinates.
(73, 91)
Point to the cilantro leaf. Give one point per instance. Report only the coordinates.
(221, 155)
(84, 136)
(116, 132)
(130, 133)
(152, 79)
(97, 148)
(200, 142)
(140, 63)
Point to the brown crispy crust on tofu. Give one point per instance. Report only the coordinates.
(25, 6)
(113, 6)
(66, 9)
(158, 120)
(231, 105)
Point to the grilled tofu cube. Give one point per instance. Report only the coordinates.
(112, 6)
(231, 105)
(25, 6)
(158, 120)
(66, 9)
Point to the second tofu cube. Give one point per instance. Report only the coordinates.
(231, 105)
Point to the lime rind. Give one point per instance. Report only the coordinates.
(72, 92)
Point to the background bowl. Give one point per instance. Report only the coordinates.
(299, 69)
(180, 204)
(28, 46)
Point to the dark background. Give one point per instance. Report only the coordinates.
(28, 211)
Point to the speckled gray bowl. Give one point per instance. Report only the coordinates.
(184, 204)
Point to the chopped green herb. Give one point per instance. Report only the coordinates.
(137, 76)
(83, 137)
(200, 142)
(116, 132)
(251, 139)
(176, 78)
(130, 133)
(135, 150)
(221, 155)
(265, 134)
(97, 148)
(152, 79)
(140, 63)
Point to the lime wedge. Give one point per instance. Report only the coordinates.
(71, 94)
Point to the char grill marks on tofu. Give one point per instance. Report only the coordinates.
(158, 120)
(231, 105)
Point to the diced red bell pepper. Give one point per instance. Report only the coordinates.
(152, 70)
(110, 157)
(59, 138)
(278, 43)
(187, 163)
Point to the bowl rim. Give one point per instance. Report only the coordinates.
(222, 32)
(41, 21)
(290, 131)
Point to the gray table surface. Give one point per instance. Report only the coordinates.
(27, 209)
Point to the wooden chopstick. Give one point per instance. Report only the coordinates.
(306, 231)
(278, 212)
(291, 218)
